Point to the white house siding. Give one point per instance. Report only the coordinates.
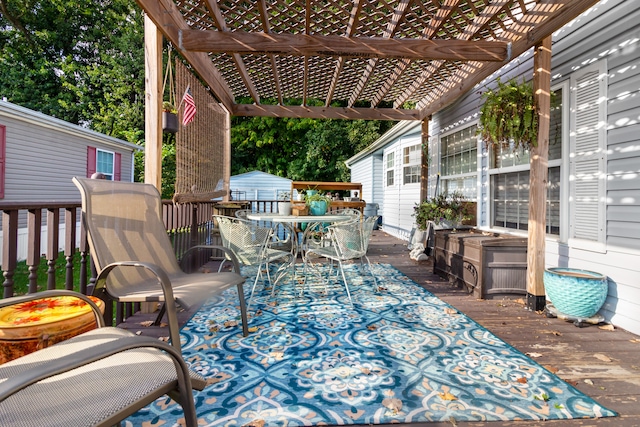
(605, 38)
(257, 185)
(368, 172)
(400, 199)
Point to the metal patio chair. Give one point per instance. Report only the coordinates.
(97, 378)
(134, 257)
(349, 241)
(251, 244)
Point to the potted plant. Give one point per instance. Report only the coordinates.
(508, 115)
(317, 202)
(169, 118)
(445, 210)
(284, 203)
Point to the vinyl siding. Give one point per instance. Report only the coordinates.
(41, 157)
(609, 32)
(368, 172)
(400, 199)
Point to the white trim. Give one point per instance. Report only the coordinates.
(599, 154)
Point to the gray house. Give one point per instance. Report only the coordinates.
(39, 155)
(593, 207)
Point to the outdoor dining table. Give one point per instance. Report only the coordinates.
(312, 221)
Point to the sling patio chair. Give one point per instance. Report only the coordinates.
(251, 244)
(134, 257)
(97, 378)
(349, 241)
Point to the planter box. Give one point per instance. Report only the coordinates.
(491, 265)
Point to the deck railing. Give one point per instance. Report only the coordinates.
(45, 232)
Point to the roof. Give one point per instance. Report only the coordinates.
(18, 112)
(352, 59)
(400, 129)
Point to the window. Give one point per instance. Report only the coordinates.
(412, 164)
(390, 170)
(509, 180)
(459, 162)
(105, 162)
(510, 200)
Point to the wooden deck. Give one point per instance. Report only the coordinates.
(604, 364)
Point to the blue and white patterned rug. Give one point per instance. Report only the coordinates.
(400, 355)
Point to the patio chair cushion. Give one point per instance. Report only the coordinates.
(101, 392)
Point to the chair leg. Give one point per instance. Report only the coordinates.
(161, 312)
(346, 285)
(243, 310)
(253, 288)
(375, 282)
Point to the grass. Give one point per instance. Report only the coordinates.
(21, 275)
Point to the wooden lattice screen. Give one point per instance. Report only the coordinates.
(202, 146)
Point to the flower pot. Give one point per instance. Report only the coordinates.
(169, 122)
(574, 292)
(284, 208)
(318, 207)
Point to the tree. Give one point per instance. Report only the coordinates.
(300, 149)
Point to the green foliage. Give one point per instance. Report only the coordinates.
(21, 274)
(443, 207)
(508, 115)
(300, 149)
(80, 62)
(317, 196)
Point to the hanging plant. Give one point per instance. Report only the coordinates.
(169, 111)
(508, 115)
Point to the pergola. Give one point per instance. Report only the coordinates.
(360, 59)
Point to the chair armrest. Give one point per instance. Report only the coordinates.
(228, 253)
(165, 285)
(6, 302)
(94, 353)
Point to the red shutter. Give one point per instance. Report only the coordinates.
(91, 161)
(117, 163)
(3, 150)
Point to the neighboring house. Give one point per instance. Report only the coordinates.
(593, 207)
(256, 185)
(389, 171)
(39, 155)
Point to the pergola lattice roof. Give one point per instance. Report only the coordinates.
(353, 59)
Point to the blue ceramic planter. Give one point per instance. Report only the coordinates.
(318, 207)
(574, 292)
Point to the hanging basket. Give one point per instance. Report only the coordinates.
(169, 122)
(574, 292)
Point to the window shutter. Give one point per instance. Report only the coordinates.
(117, 165)
(91, 161)
(3, 150)
(587, 159)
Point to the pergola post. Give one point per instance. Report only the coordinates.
(538, 177)
(152, 104)
(424, 169)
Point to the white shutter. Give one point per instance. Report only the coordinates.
(587, 160)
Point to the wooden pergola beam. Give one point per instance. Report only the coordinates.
(324, 112)
(363, 47)
(474, 72)
(166, 16)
